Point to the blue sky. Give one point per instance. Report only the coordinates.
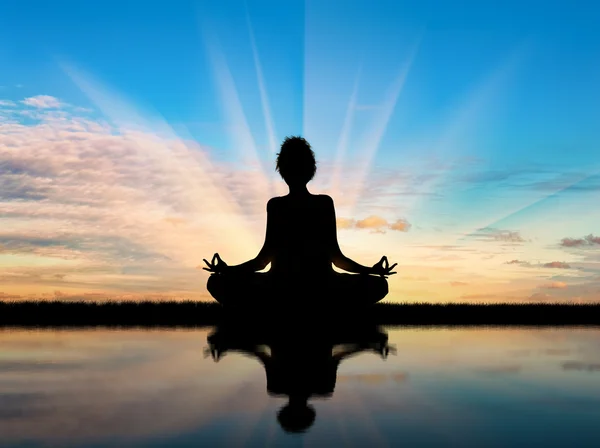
(154, 52)
(451, 115)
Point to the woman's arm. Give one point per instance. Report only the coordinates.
(337, 257)
(263, 258)
(218, 352)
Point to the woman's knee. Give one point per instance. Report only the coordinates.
(379, 286)
(215, 285)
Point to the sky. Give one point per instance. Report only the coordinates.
(457, 138)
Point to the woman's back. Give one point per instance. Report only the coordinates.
(301, 234)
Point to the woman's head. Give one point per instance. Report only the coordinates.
(296, 418)
(296, 161)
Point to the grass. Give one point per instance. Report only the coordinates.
(193, 314)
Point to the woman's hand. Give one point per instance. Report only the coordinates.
(215, 352)
(383, 268)
(384, 350)
(216, 265)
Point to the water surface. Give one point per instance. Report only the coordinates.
(440, 387)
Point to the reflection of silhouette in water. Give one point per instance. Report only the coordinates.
(301, 245)
(298, 364)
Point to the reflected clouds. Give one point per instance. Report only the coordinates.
(143, 387)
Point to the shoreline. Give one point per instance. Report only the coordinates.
(206, 314)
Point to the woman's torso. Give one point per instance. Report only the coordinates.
(302, 236)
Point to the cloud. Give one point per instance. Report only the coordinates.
(518, 262)
(91, 206)
(481, 296)
(43, 102)
(511, 297)
(571, 242)
(345, 223)
(557, 265)
(593, 239)
(372, 222)
(552, 264)
(540, 297)
(4, 296)
(458, 284)
(498, 235)
(554, 285)
(589, 240)
(105, 296)
(71, 246)
(7, 103)
(376, 223)
(401, 225)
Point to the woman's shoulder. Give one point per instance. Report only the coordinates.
(319, 199)
(324, 199)
(274, 202)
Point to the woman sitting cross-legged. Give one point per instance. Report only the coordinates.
(301, 245)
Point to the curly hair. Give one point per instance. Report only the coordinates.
(296, 160)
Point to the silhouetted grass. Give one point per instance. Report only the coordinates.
(189, 314)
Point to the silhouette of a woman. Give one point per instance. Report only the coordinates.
(301, 245)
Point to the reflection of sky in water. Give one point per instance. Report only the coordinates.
(466, 387)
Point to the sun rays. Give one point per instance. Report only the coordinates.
(208, 201)
(380, 125)
(342, 147)
(178, 154)
(200, 191)
(422, 139)
(269, 125)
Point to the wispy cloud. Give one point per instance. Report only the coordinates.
(345, 223)
(43, 102)
(554, 285)
(102, 200)
(498, 235)
(519, 262)
(540, 297)
(4, 296)
(458, 283)
(589, 240)
(374, 223)
(550, 264)
(401, 225)
(557, 265)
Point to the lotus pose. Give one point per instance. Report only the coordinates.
(301, 245)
